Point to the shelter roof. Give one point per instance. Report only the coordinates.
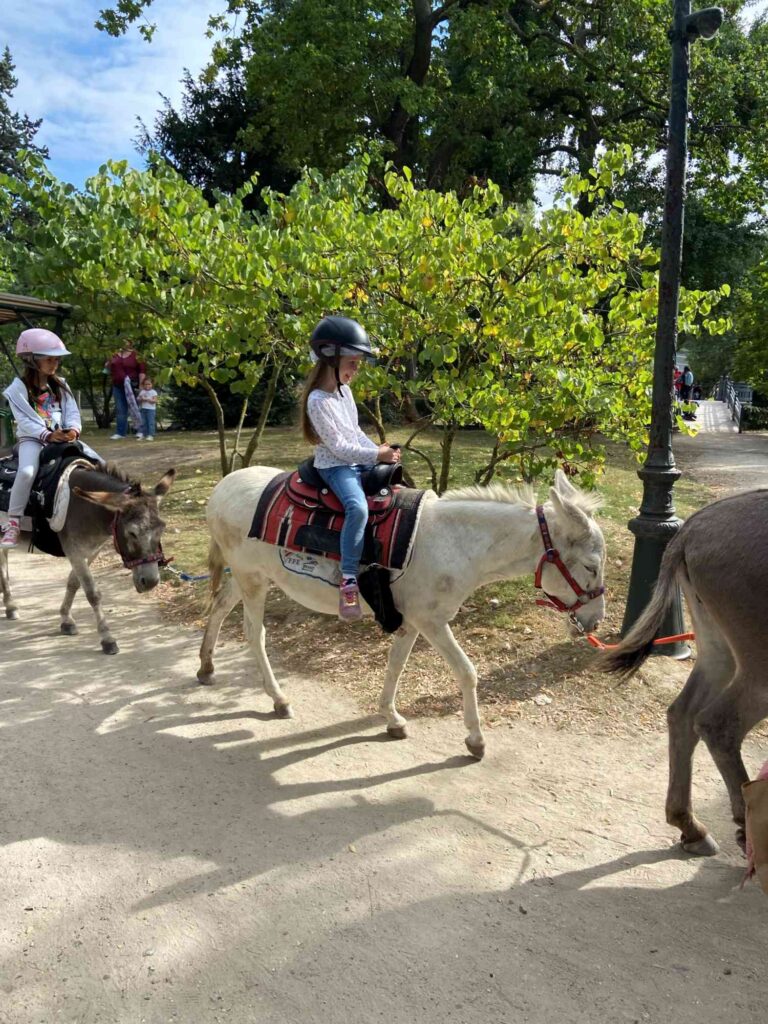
(24, 309)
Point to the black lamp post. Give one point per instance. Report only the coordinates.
(657, 522)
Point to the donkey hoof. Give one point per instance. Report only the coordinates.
(283, 711)
(741, 839)
(68, 628)
(206, 678)
(109, 647)
(704, 847)
(11, 613)
(476, 749)
(397, 732)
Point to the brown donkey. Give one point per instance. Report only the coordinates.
(720, 559)
(105, 506)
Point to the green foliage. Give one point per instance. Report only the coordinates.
(189, 408)
(460, 90)
(754, 418)
(539, 330)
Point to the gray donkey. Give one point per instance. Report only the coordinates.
(720, 558)
(105, 505)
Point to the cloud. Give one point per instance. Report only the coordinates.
(90, 88)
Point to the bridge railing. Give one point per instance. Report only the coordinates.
(731, 394)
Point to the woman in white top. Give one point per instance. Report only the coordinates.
(45, 411)
(329, 421)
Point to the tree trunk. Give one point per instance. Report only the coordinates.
(219, 423)
(446, 447)
(236, 444)
(269, 398)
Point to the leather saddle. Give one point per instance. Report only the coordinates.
(54, 459)
(307, 489)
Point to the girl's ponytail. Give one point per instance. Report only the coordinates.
(315, 375)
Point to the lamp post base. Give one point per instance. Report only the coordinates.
(651, 538)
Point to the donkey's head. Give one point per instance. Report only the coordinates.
(579, 541)
(136, 527)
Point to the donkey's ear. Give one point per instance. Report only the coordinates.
(113, 500)
(164, 485)
(563, 485)
(575, 522)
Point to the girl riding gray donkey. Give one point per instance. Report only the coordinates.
(45, 412)
(342, 452)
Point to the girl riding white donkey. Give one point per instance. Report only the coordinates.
(329, 421)
(465, 539)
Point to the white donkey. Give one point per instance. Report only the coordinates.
(465, 539)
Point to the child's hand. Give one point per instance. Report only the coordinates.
(387, 454)
(60, 435)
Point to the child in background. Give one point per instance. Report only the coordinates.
(148, 407)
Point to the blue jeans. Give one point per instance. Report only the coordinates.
(148, 422)
(121, 410)
(344, 481)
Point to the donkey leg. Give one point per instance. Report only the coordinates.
(68, 625)
(11, 611)
(723, 724)
(223, 603)
(444, 642)
(694, 837)
(83, 572)
(254, 591)
(402, 645)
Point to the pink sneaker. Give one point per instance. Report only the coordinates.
(349, 602)
(11, 533)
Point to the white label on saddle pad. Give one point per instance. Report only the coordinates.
(324, 569)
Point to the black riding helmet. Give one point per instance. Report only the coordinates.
(337, 336)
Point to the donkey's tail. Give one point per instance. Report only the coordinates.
(637, 645)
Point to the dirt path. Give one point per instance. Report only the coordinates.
(174, 853)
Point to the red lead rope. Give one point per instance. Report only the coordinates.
(659, 640)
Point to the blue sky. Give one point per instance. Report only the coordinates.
(90, 88)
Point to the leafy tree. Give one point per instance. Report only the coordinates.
(203, 141)
(460, 90)
(538, 330)
(17, 131)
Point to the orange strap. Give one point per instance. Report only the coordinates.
(660, 640)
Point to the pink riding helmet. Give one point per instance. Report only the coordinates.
(37, 341)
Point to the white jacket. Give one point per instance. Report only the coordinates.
(29, 426)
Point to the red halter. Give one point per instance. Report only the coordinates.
(552, 555)
(131, 563)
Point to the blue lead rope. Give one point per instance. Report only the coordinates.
(185, 576)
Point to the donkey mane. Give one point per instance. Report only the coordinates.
(114, 473)
(522, 495)
(119, 474)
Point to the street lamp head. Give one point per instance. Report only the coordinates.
(704, 24)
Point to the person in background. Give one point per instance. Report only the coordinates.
(124, 365)
(147, 398)
(687, 384)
